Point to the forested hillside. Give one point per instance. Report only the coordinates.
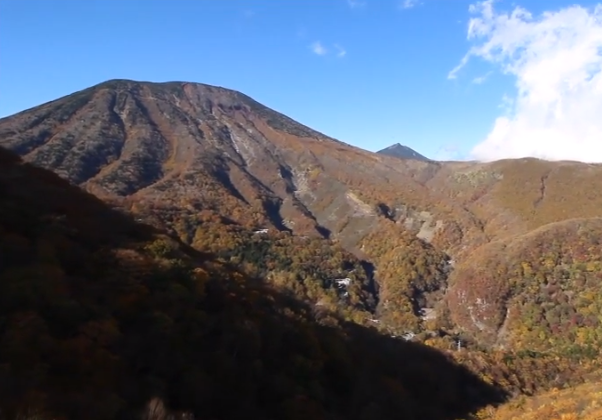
(181, 243)
(102, 317)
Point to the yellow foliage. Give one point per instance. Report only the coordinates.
(578, 403)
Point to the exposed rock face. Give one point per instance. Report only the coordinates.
(209, 148)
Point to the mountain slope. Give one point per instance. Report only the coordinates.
(211, 148)
(189, 154)
(403, 152)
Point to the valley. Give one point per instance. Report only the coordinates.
(488, 274)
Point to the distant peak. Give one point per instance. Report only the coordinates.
(403, 152)
(396, 145)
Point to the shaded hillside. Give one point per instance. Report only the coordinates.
(102, 317)
(403, 152)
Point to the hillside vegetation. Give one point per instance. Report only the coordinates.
(579, 403)
(101, 317)
(547, 290)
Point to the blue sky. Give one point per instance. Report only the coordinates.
(367, 72)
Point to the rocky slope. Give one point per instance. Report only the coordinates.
(216, 149)
(437, 238)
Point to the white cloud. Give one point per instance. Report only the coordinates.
(354, 4)
(408, 4)
(318, 49)
(479, 80)
(556, 61)
(341, 52)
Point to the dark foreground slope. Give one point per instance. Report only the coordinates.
(104, 318)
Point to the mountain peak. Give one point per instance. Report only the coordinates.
(403, 152)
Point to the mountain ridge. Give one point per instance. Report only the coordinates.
(196, 158)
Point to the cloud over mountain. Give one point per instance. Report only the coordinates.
(556, 61)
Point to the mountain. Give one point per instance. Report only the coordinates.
(403, 152)
(438, 251)
(195, 158)
(213, 148)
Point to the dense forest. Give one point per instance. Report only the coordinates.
(547, 297)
